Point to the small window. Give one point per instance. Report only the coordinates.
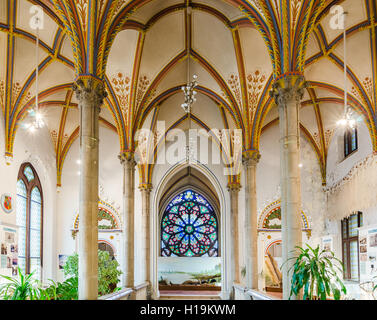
(350, 141)
(350, 244)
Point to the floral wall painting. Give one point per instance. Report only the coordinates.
(7, 203)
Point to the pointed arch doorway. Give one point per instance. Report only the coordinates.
(189, 254)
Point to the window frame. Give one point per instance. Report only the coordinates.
(346, 241)
(35, 183)
(348, 141)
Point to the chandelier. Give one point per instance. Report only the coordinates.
(37, 122)
(347, 120)
(189, 94)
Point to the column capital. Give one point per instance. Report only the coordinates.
(89, 89)
(147, 187)
(234, 186)
(127, 158)
(287, 87)
(250, 157)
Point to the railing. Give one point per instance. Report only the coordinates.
(257, 295)
(241, 292)
(139, 292)
(123, 294)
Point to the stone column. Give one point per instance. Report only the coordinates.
(288, 92)
(234, 189)
(128, 162)
(250, 161)
(90, 94)
(145, 190)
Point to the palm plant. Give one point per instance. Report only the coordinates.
(316, 272)
(21, 288)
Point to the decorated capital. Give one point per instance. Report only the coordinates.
(234, 187)
(90, 91)
(146, 187)
(127, 158)
(288, 87)
(250, 158)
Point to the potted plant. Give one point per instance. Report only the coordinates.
(315, 272)
(108, 272)
(24, 287)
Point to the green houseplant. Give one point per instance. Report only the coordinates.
(108, 272)
(316, 272)
(24, 287)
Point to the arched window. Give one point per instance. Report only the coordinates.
(29, 220)
(189, 227)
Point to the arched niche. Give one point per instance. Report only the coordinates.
(200, 179)
(270, 219)
(109, 227)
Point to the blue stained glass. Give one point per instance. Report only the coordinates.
(29, 173)
(189, 227)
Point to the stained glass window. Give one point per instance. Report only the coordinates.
(189, 227)
(29, 220)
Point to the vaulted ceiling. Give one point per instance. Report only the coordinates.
(236, 48)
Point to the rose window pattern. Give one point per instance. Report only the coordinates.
(189, 227)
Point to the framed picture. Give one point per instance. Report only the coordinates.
(9, 237)
(7, 203)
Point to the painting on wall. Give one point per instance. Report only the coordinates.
(273, 220)
(191, 271)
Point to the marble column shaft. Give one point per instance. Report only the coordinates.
(90, 94)
(234, 189)
(250, 161)
(145, 190)
(288, 93)
(128, 162)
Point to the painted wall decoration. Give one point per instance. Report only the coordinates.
(108, 219)
(189, 227)
(270, 219)
(7, 203)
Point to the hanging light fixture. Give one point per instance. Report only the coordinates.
(347, 120)
(189, 89)
(37, 122)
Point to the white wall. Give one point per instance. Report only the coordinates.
(110, 180)
(36, 148)
(337, 166)
(268, 189)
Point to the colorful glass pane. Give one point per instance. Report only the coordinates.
(29, 174)
(189, 227)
